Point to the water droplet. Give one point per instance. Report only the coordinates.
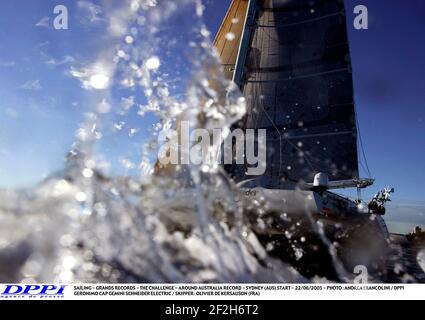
(31, 268)
(101, 209)
(132, 132)
(119, 126)
(298, 253)
(103, 107)
(129, 39)
(81, 197)
(134, 6)
(99, 81)
(61, 188)
(66, 277)
(421, 259)
(153, 63)
(121, 54)
(127, 164)
(66, 240)
(69, 262)
(270, 246)
(88, 173)
(230, 36)
(205, 32)
(90, 163)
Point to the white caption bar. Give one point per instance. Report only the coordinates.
(213, 292)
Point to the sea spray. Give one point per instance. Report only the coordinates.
(108, 216)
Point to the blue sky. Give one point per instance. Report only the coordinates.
(390, 93)
(41, 106)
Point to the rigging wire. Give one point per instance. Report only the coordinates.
(360, 142)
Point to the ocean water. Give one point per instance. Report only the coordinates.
(402, 227)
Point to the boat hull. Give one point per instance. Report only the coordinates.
(295, 228)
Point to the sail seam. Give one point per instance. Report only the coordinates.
(301, 22)
(300, 77)
(315, 135)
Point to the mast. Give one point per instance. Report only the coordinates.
(228, 39)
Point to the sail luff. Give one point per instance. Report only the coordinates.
(228, 38)
(244, 44)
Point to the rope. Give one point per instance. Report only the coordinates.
(366, 164)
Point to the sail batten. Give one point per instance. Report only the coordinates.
(298, 85)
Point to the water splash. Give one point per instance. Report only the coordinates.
(108, 217)
(421, 259)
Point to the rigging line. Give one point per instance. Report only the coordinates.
(304, 155)
(250, 114)
(363, 167)
(257, 64)
(363, 149)
(280, 135)
(255, 96)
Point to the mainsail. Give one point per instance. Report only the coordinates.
(294, 69)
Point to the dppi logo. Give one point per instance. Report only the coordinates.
(33, 291)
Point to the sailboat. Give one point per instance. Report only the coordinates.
(291, 60)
